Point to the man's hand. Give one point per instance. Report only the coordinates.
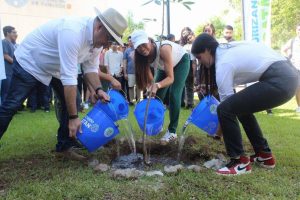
(126, 76)
(74, 126)
(93, 97)
(101, 95)
(152, 89)
(115, 84)
(200, 88)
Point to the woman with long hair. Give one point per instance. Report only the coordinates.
(186, 40)
(206, 81)
(172, 64)
(240, 63)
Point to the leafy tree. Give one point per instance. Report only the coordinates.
(285, 17)
(218, 24)
(185, 3)
(236, 5)
(238, 28)
(131, 26)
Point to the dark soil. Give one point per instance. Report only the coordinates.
(41, 167)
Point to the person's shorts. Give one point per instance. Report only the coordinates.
(131, 80)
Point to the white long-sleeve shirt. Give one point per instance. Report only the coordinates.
(114, 59)
(55, 49)
(239, 63)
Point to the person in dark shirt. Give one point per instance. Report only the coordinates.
(8, 54)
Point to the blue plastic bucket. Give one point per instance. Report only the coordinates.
(97, 129)
(155, 118)
(117, 108)
(205, 115)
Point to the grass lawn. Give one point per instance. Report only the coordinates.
(30, 170)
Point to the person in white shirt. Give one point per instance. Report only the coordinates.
(292, 50)
(50, 54)
(113, 61)
(240, 63)
(186, 40)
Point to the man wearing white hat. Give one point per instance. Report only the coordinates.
(50, 55)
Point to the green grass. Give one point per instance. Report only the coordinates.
(29, 169)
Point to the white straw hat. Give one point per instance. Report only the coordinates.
(114, 22)
(139, 37)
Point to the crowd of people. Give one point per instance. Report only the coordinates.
(84, 57)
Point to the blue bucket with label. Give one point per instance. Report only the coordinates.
(97, 129)
(155, 117)
(117, 108)
(205, 115)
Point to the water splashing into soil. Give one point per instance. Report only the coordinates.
(181, 140)
(137, 161)
(129, 134)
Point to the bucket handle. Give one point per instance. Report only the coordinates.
(156, 97)
(125, 95)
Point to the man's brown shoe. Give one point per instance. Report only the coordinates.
(71, 154)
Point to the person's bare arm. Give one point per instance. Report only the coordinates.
(70, 92)
(114, 82)
(286, 48)
(93, 80)
(125, 69)
(8, 58)
(166, 56)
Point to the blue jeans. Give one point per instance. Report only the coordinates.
(276, 86)
(39, 97)
(23, 85)
(5, 84)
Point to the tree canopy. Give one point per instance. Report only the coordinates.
(131, 26)
(285, 17)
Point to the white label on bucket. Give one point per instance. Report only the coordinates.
(94, 128)
(108, 132)
(213, 109)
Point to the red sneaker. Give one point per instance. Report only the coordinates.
(263, 159)
(236, 167)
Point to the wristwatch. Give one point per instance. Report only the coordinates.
(73, 116)
(98, 88)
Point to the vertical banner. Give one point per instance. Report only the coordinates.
(2, 68)
(257, 20)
